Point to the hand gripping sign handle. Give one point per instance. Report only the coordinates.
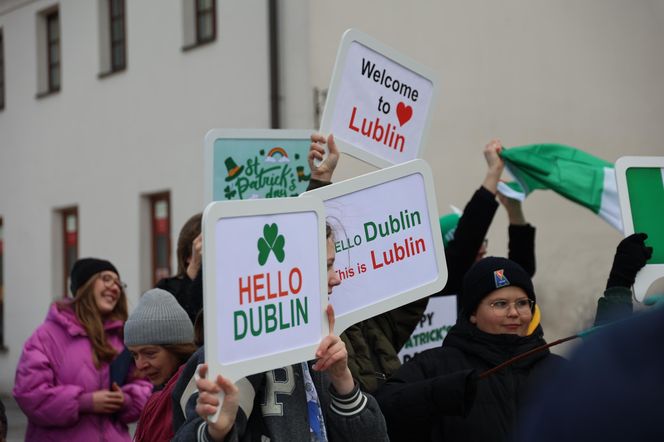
(214, 416)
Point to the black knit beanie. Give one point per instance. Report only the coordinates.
(83, 270)
(490, 274)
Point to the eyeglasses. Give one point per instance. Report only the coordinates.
(522, 306)
(109, 280)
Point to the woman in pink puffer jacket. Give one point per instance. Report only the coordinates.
(63, 379)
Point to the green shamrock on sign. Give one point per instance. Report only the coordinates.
(271, 240)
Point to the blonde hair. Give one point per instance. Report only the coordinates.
(88, 315)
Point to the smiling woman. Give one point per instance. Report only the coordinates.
(63, 381)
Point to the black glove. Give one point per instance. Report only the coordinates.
(631, 255)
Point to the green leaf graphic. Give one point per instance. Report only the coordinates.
(271, 240)
(263, 251)
(270, 233)
(278, 248)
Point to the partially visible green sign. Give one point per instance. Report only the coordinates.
(247, 168)
(645, 186)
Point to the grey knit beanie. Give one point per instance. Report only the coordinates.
(158, 320)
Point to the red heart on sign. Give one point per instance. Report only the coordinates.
(404, 113)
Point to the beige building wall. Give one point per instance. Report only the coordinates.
(583, 73)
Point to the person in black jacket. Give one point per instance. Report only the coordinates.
(187, 284)
(438, 396)
(614, 379)
(468, 244)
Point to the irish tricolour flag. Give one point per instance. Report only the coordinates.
(574, 174)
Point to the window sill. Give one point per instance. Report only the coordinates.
(45, 94)
(195, 45)
(107, 74)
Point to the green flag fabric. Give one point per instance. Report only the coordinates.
(570, 172)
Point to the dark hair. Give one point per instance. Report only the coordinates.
(199, 330)
(329, 233)
(190, 230)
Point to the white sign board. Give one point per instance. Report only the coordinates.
(379, 102)
(389, 249)
(640, 183)
(265, 286)
(436, 321)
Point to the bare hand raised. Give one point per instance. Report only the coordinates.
(495, 165)
(208, 402)
(325, 168)
(333, 358)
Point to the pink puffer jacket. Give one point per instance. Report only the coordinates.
(56, 377)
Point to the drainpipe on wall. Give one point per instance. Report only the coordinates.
(275, 92)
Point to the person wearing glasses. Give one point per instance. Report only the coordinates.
(63, 378)
(438, 396)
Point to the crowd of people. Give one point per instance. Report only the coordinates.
(92, 367)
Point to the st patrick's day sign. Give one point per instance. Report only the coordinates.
(379, 102)
(255, 163)
(389, 249)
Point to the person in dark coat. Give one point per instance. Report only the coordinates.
(611, 390)
(187, 284)
(630, 257)
(437, 395)
(468, 245)
(613, 379)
